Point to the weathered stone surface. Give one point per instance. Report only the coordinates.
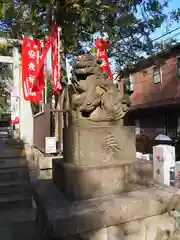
(78, 183)
(99, 144)
(18, 200)
(12, 162)
(14, 174)
(41, 161)
(101, 234)
(45, 174)
(84, 216)
(12, 153)
(18, 224)
(36, 174)
(40, 166)
(140, 173)
(110, 233)
(160, 227)
(10, 187)
(17, 217)
(93, 95)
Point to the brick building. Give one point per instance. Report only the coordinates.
(154, 89)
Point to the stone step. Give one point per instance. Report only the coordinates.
(12, 163)
(12, 153)
(6, 232)
(19, 215)
(14, 143)
(14, 187)
(14, 174)
(20, 200)
(25, 231)
(4, 131)
(21, 226)
(8, 146)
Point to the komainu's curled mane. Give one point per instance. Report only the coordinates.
(94, 95)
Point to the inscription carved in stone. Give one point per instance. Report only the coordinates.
(111, 145)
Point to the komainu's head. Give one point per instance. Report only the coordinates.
(86, 65)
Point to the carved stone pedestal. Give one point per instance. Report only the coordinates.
(88, 143)
(95, 157)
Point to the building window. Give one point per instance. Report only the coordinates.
(137, 127)
(156, 75)
(129, 84)
(178, 67)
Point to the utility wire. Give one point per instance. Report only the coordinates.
(165, 34)
(143, 81)
(153, 40)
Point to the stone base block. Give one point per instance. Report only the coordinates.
(125, 212)
(80, 183)
(160, 227)
(139, 174)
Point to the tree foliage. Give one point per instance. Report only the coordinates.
(6, 73)
(129, 23)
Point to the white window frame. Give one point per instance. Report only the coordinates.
(130, 84)
(131, 81)
(160, 74)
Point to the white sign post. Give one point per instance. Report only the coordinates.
(50, 144)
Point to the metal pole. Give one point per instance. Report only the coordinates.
(60, 115)
(45, 85)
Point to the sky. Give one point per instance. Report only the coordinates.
(173, 4)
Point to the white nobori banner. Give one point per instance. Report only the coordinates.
(15, 106)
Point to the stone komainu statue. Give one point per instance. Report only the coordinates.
(94, 96)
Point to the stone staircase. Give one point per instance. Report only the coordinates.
(17, 215)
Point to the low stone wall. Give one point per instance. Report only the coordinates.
(160, 227)
(40, 166)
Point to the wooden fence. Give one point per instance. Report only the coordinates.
(42, 127)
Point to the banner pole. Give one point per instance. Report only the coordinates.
(45, 84)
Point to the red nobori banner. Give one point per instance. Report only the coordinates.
(55, 60)
(33, 60)
(101, 48)
(30, 62)
(52, 41)
(39, 79)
